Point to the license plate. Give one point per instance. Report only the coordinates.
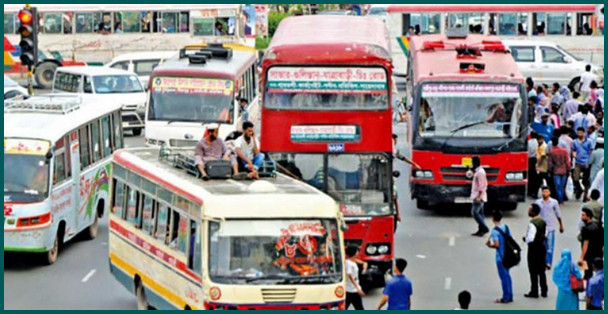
(467, 162)
(463, 200)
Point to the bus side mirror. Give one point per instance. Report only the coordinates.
(49, 155)
(396, 174)
(188, 136)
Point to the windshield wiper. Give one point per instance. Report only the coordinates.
(464, 127)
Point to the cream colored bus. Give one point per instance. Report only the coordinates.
(178, 242)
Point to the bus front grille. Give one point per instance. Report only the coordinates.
(278, 296)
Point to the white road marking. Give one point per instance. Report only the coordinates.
(448, 284)
(104, 243)
(452, 241)
(89, 275)
(421, 256)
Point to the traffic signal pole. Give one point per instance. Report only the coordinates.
(28, 29)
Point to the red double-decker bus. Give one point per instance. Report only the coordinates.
(468, 100)
(326, 119)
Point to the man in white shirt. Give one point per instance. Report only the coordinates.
(586, 79)
(248, 150)
(353, 289)
(598, 184)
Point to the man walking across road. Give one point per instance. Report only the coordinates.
(479, 195)
(559, 164)
(595, 288)
(535, 238)
(592, 244)
(542, 164)
(353, 289)
(532, 161)
(497, 242)
(550, 213)
(582, 148)
(398, 291)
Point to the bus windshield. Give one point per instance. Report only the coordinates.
(277, 252)
(117, 84)
(470, 110)
(357, 181)
(26, 178)
(191, 100)
(331, 88)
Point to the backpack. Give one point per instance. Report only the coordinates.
(512, 255)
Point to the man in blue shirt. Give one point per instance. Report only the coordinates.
(543, 127)
(398, 291)
(595, 287)
(581, 149)
(497, 242)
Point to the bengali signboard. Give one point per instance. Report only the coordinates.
(325, 133)
(26, 147)
(199, 86)
(471, 90)
(327, 80)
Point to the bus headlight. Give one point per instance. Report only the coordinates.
(383, 249)
(378, 249)
(424, 174)
(371, 249)
(514, 176)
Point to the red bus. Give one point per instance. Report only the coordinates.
(468, 100)
(326, 119)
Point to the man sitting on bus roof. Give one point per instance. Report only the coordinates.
(210, 148)
(248, 150)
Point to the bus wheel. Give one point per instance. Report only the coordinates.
(50, 257)
(142, 301)
(137, 131)
(423, 205)
(509, 207)
(93, 229)
(44, 74)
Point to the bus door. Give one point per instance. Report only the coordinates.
(64, 195)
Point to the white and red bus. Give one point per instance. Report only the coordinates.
(575, 27)
(468, 100)
(326, 119)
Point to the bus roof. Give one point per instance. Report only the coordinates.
(93, 70)
(229, 198)
(444, 64)
(119, 7)
(216, 67)
(347, 39)
(442, 8)
(52, 126)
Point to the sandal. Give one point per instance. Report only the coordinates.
(501, 301)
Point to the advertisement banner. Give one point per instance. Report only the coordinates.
(325, 133)
(185, 85)
(261, 20)
(327, 80)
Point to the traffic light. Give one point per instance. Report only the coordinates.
(28, 29)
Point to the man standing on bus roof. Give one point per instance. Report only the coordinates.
(248, 150)
(213, 148)
(479, 195)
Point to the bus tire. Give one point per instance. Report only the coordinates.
(140, 293)
(509, 207)
(93, 230)
(50, 257)
(44, 74)
(423, 205)
(137, 131)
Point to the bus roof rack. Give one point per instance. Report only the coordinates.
(207, 52)
(456, 33)
(54, 104)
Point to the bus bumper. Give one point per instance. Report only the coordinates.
(441, 194)
(285, 307)
(28, 241)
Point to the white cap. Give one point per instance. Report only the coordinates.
(600, 140)
(212, 126)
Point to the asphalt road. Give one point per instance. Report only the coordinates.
(443, 260)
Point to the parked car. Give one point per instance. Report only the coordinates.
(548, 63)
(105, 84)
(12, 89)
(141, 63)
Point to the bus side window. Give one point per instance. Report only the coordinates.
(148, 215)
(132, 198)
(182, 234)
(195, 260)
(175, 221)
(163, 224)
(59, 174)
(95, 141)
(117, 123)
(106, 132)
(68, 157)
(85, 148)
(118, 199)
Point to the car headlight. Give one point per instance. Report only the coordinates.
(371, 249)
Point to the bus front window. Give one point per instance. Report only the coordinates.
(117, 84)
(191, 100)
(470, 110)
(277, 252)
(26, 178)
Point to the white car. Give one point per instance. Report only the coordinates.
(141, 63)
(548, 63)
(12, 89)
(109, 85)
(379, 11)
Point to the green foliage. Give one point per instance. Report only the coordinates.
(261, 43)
(274, 18)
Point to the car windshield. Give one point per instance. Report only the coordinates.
(332, 88)
(377, 11)
(470, 110)
(117, 84)
(275, 252)
(26, 178)
(191, 100)
(8, 82)
(564, 51)
(357, 181)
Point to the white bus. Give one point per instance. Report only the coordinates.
(178, 242)
(572, 26)
(57, 155)
(93, 34)
(186, 93)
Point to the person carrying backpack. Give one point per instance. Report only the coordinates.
(506, 255)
